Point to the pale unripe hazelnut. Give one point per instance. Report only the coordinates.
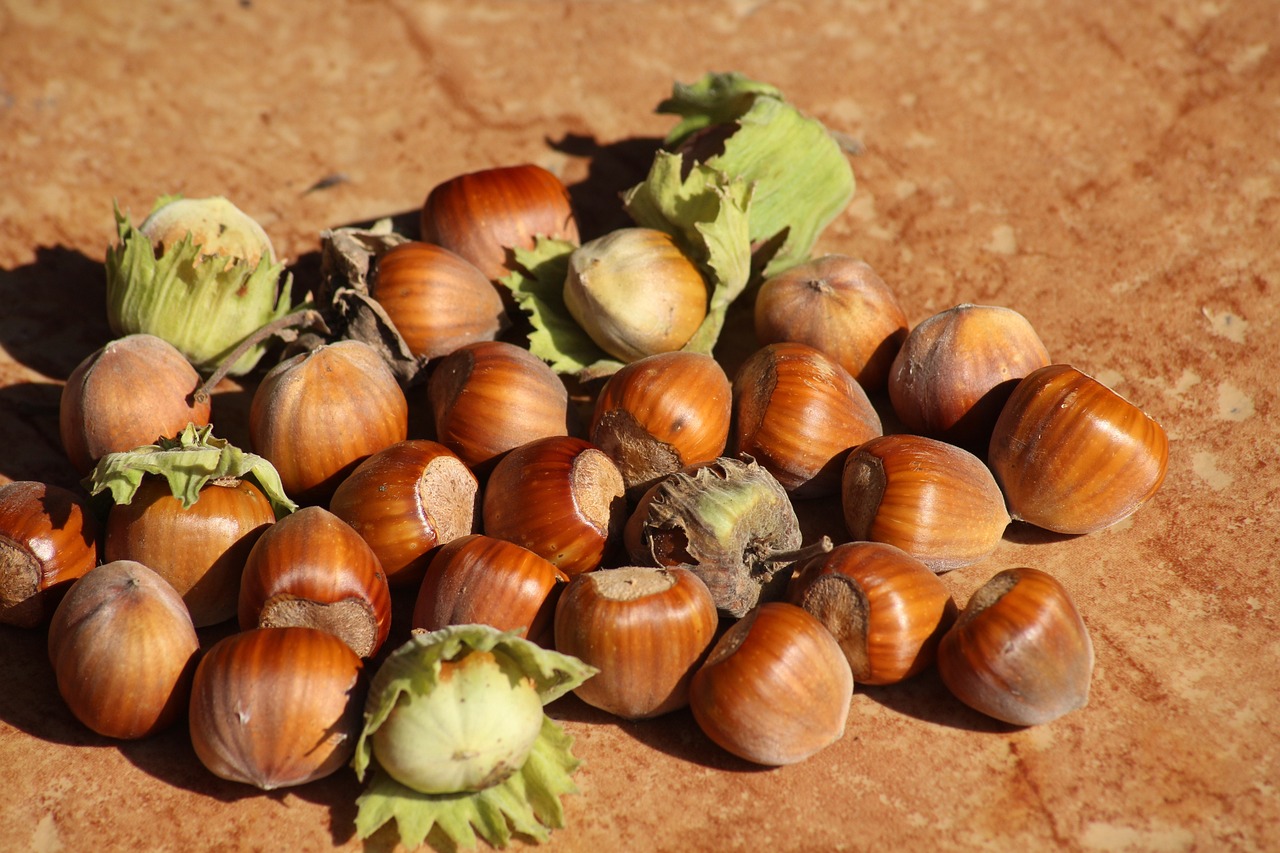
(635, 293)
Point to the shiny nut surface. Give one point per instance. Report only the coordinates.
(886, 609)
(1074, 456)
(560, 497)
(123, 649)
(312, 569)
(1019, 651)
(126, 394)
(956, 369)
(839, 305)
(662, 413)
(437, 300)
(775, 689)
(48, 539)
(404, 501)
(481, 579)
(200, 550)
(276, 707)
(645, 629)
(319, 414)
(797, 412)
(483, 215)
(936, 501)
(491, 397)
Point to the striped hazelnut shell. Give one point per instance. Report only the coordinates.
(797, 413)
(1019, 651)
(1072, 455)
(935, 501)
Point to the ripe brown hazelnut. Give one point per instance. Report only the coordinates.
(1019, 651)
(483, 215)
(886, 609)
(405, 501)
(956, 369)
(646, 630)
(797, 412)
(776, 688)
(48, 539)
(936, 501)
(1072, 455)
(123, 649)
(662, 413)
(312, 569)
(488, 398)
(562, 498)
(836, 304)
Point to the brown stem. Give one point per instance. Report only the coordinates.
(822, 546)
(302, 318)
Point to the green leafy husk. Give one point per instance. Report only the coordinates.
(714, 99)
(704, 212)
(708, 214)
(799, 175)
(204, 305)
(189, 461)
(527, 802)
(537, 286)
(755, 204)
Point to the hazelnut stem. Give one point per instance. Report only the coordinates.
(303, 318)
(822, 546)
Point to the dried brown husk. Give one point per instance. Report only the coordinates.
(730, 521)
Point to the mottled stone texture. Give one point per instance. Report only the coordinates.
(1111, 171)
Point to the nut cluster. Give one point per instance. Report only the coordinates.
(644, 521)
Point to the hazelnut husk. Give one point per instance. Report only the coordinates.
(729, 521)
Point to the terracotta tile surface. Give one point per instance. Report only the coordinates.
(1112, 171)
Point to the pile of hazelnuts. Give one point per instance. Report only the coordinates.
(648, 521)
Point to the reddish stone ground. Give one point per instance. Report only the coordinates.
(1112, 171)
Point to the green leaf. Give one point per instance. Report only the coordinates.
(715, 99)
(800, 177)
(537, 285)
(189, 462)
